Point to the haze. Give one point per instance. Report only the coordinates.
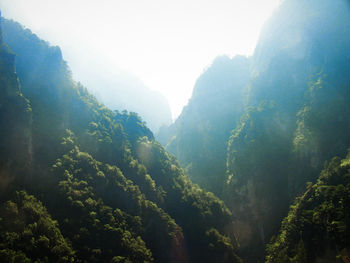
(167, 44)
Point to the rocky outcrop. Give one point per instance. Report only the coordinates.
(15, 116)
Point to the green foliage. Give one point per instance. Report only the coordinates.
(257, 153)
(297, 118)
(117, 195)
(86, 184)
(322, 126)
(220, 247)
(15, 117)
(198, 137)
(317, 226)
(28, 234)
(194, 210)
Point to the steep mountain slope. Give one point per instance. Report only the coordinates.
(121, 91)
(295, 117)
(15, 120)
(28, 233)
(101, 188)
(255, 132)
(317, 226)
(117, 90)
(27, 230)
(198, 137)
(298, 116)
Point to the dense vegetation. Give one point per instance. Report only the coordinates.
(117, 91)
(198, 137)
(317, 226)
(100, 188)
(28, 233)
(82, 183)
(292, 117)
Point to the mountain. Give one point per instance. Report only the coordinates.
(119, 90)
(297, 119)
(82, 183)
(15, 120)
(115, 88)
(198, 138)
(317, 226)
(291, 118)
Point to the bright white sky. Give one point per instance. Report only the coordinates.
(166, 43)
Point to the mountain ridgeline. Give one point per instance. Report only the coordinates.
(258, 143)
(82, 183)
(117, 90)
(198, 137)
(256, 168)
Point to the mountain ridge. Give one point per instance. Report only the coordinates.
(115, 194)
(293, 119)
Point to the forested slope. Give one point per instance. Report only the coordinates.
(198, 138)
(92, 185)
(87, 184)
(116, 89)
(317, 226)
(293, 116)
(298, 112)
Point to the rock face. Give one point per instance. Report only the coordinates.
(294, 116)
(198, 137)
(116, 195)
(299, 40)
(116, 89)
(298, 115)
(15, 115)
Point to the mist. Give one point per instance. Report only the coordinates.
(166, 44)
(255, 168)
